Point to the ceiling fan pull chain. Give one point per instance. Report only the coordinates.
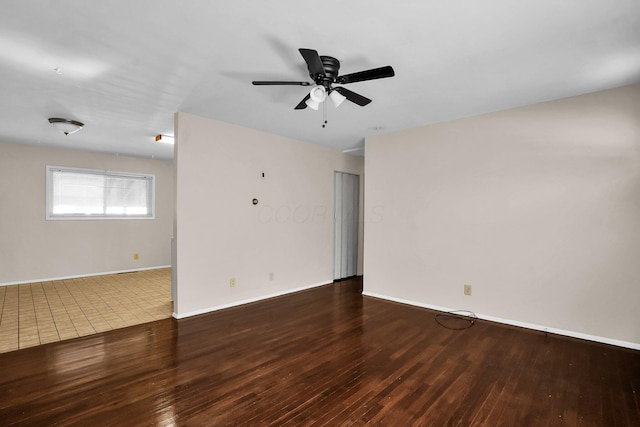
(324, 114)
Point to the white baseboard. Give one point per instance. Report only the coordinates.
(580, 335)
(247, 301)
(103, 273)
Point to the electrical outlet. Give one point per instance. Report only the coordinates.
(467, 290)
(271, 276)
(136, 256)
(232, 282)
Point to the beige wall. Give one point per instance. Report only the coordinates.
(33, 249)
(538, 208)
(221, 235)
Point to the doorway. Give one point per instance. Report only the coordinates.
(346, 224)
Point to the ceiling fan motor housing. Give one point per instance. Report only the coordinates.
(331, 67)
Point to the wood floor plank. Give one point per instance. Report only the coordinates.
(326, 356)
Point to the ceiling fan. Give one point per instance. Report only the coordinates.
(323, 70)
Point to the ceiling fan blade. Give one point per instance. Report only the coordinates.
(276, 83)
(375, 73)
(352, 96)
(314, 63)
(303, 104)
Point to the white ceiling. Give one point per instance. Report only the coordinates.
(126, 66)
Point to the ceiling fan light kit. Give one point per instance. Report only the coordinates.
(337, 98)
(323, 70)
(314, 105)
(66, 126)
(318, 94)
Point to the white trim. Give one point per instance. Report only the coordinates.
(104, 273)
(247, 301)
(580, 335)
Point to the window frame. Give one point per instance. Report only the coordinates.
(49, 215)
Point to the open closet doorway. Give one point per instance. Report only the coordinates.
(346, 225)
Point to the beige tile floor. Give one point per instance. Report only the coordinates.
(43, 312)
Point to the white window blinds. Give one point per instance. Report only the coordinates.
(92, 194)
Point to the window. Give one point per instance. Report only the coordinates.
(94, 194)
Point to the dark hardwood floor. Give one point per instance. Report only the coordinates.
(327, 356)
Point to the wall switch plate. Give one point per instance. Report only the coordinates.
(467, 290)
(232, 282)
